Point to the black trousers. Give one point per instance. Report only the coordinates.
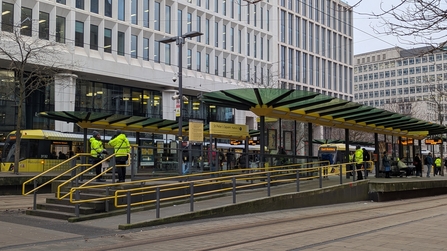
(98, 168)
(359, 172)
(121, 170)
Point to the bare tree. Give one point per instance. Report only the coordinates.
(414, 22)
(34, 63)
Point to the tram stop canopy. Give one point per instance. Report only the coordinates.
(321, 109)
(113, 121)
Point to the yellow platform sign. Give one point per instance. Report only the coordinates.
(230, 130)
(195, 130)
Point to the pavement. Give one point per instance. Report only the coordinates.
(19, 229)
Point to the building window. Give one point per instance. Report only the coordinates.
(7, 17)
(207, 31)
(157, 16)
(216, 64)
(207, 63)
(199, 61)
(248, 44)
(224, 37)
(27, 22)
(79, 34)
(146, 13)
(168, 19)
(134, 11)
(179, 22)
(157, 52)
(224, 67)
(232, 38)
(134, 46)
(199, 28)
(120, 43)
(107, 40)
(216, 34)
(93, 37)
(44, 23)
(121, 10)
(189, 22)
(80, 4)
(146, 49)
(61, 1)
(189, 59)
(108, 8)
(168, 54)
(60, 29)
(94, 6)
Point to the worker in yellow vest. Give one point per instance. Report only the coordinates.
(358, 158)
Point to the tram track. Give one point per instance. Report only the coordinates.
(349, 217)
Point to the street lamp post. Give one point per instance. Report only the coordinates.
(180, 41)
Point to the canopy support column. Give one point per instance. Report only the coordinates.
(262, 141)
(377, 154)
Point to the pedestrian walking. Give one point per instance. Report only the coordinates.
(386, 164)
(429, 163)
(366, 158)
(437, 167)
(121, 145)
(96, 154)
(358, 158)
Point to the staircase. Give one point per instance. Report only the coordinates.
(64, 210)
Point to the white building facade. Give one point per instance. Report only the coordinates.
(115, 64)
(409, 82)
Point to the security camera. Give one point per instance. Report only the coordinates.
(174, 78)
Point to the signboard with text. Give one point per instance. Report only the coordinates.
(229, 129)
(433, 141)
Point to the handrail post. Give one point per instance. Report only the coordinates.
(320, 176)
(132, 163)
(35, 195)
(113, 164)
(234, 190)
(107, 201)
(341, 173)
(191, 198)
(157, 203)
(128, 198)
(268, 184)
(77, 205)
(297, 180)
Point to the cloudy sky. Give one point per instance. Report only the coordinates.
(365, 39)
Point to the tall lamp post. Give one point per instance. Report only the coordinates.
(179, 41)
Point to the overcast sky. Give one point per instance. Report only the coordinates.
(365, 39)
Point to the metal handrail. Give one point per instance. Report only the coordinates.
(73, 190)
(49, 170)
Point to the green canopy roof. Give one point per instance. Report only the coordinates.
(323, 110)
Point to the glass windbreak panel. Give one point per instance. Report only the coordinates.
(120, 43)
(107, 40)
(7, 17)
(108, 8)
(94, 6)
(93, 37)
(79, 34)
(44, 23)
(60, 29)
(27, 22)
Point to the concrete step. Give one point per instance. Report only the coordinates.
(65, 208)
(50, 214)
(99, 206)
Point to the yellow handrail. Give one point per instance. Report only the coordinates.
(49, 170)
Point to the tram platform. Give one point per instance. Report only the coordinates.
(256, 200)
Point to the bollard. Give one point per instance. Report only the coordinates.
(297, 180)
(157, 203)
(234, 190)
(191, 198)
(268, 184)
(128, 207)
